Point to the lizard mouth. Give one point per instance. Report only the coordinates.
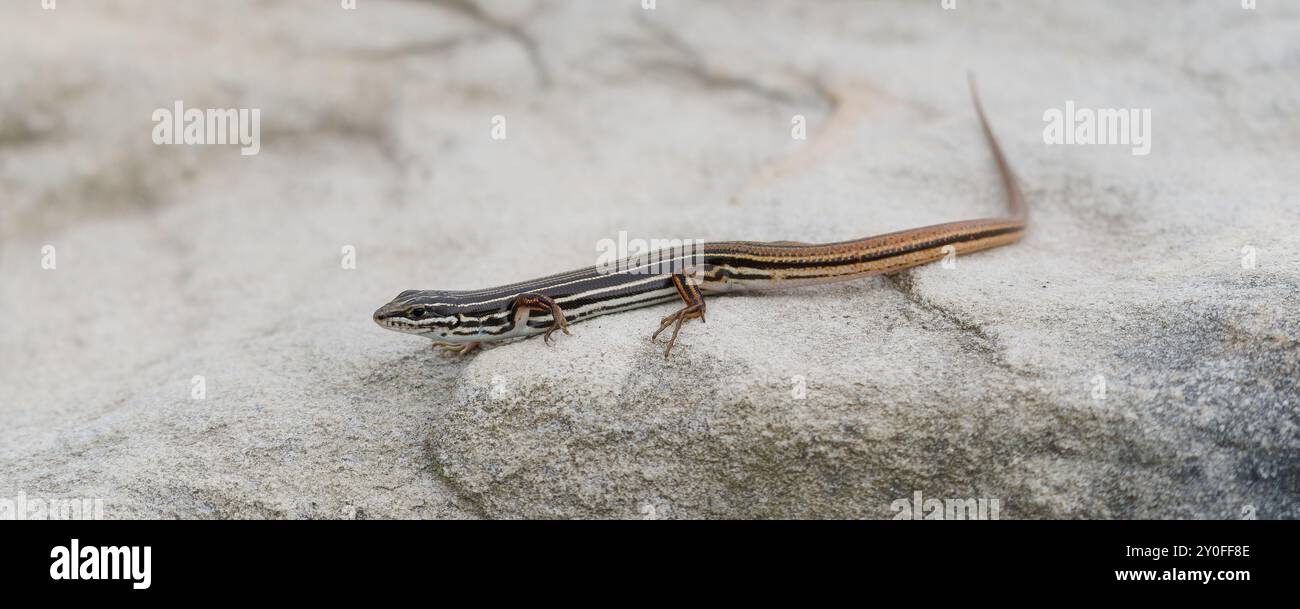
(400, 324)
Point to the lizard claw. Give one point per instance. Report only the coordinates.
(458, 351)
(544, 304)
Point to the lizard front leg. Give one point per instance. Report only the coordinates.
(526, 303)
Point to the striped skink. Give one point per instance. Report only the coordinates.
(461, 321)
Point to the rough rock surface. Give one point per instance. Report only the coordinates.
(979, 381)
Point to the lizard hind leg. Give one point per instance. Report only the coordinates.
(694, 309)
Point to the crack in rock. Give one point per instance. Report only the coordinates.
(516, 33)
(982, 340)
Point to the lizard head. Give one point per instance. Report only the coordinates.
(425, 313)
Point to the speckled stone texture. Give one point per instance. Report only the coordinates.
(978, 381)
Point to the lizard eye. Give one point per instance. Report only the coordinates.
(417, 312)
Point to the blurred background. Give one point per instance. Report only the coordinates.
(1134, 357)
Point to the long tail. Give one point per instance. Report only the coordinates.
(1015, 199)
(765, 265)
